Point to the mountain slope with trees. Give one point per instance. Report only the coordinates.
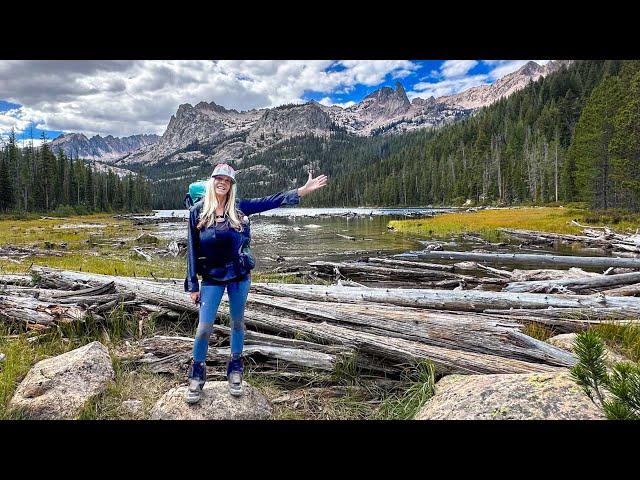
(37, 180)
(571, 136)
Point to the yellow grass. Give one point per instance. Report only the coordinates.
(82, 251)
(486, 222)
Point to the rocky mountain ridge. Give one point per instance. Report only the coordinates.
(101, 148)
(208, 132)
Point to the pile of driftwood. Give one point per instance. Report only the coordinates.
(294, 328)
(18, 254)
(468, 270)
(598, 237)
(465, 311)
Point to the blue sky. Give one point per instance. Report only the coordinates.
(123, 98)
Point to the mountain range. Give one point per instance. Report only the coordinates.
(208, 132)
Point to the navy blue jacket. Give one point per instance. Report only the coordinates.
(201, 254)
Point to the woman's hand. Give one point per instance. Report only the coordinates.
(312, 184)
(195, 297)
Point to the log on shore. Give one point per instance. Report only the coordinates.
(471, 332)
(569, 320)
(164, 346)
(533, 259)
(32, 311)
(364, 271)
(469, 300)
(626, 291)
(15, 279)
(405, 263)
(22, 252)
(548, 237)
(397, 351)
(574, 284)
(161, 294)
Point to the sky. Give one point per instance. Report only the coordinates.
(129, 97)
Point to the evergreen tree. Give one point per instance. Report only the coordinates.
(625, 147)
(590, 148)
(6, 187)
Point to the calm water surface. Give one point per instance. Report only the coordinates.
(306, 234)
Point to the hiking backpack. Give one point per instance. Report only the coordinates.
(196, 192)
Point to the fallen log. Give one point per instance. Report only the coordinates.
(32, 311)
(164, 346)
(108, 287)
(533, 259)
(548, 237)
(397, 351)
(364, 271)
(258, 338)
(568, 320)
(161, 294)
(470, 332)
(364, 268)
(626, 248)
(626, 291)
(519, 275)
(14, 279)
(22, 252)
(405, 263)
(574, 284)
(144, 255)
(467, 300)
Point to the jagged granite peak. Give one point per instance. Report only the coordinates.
(418, 101)
(77, 145)
(530, 68)
(70, 137)
(289, 121)
(389, 95)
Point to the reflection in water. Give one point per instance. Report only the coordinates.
(301, 239)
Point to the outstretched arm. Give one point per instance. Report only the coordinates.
(291, 197)
(312, 184)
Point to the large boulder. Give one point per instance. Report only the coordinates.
(566, 341)
(531, 396)
(58, 387)
(216, 404)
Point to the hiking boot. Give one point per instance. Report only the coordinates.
(235, 368)
(197, 378)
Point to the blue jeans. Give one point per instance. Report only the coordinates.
(210, 296)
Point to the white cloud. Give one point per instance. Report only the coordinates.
(17, 119)
(128, 97)
(456, 68)
(329, 103)
(446, 87)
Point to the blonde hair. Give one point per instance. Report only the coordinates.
(207, 216)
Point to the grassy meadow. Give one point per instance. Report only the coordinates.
(486, 222)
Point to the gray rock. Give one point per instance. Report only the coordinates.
(566, 342)
(58, 387)
(531, 396)
(216, 404)
(2, 357)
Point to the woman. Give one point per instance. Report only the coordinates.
(218, 250)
